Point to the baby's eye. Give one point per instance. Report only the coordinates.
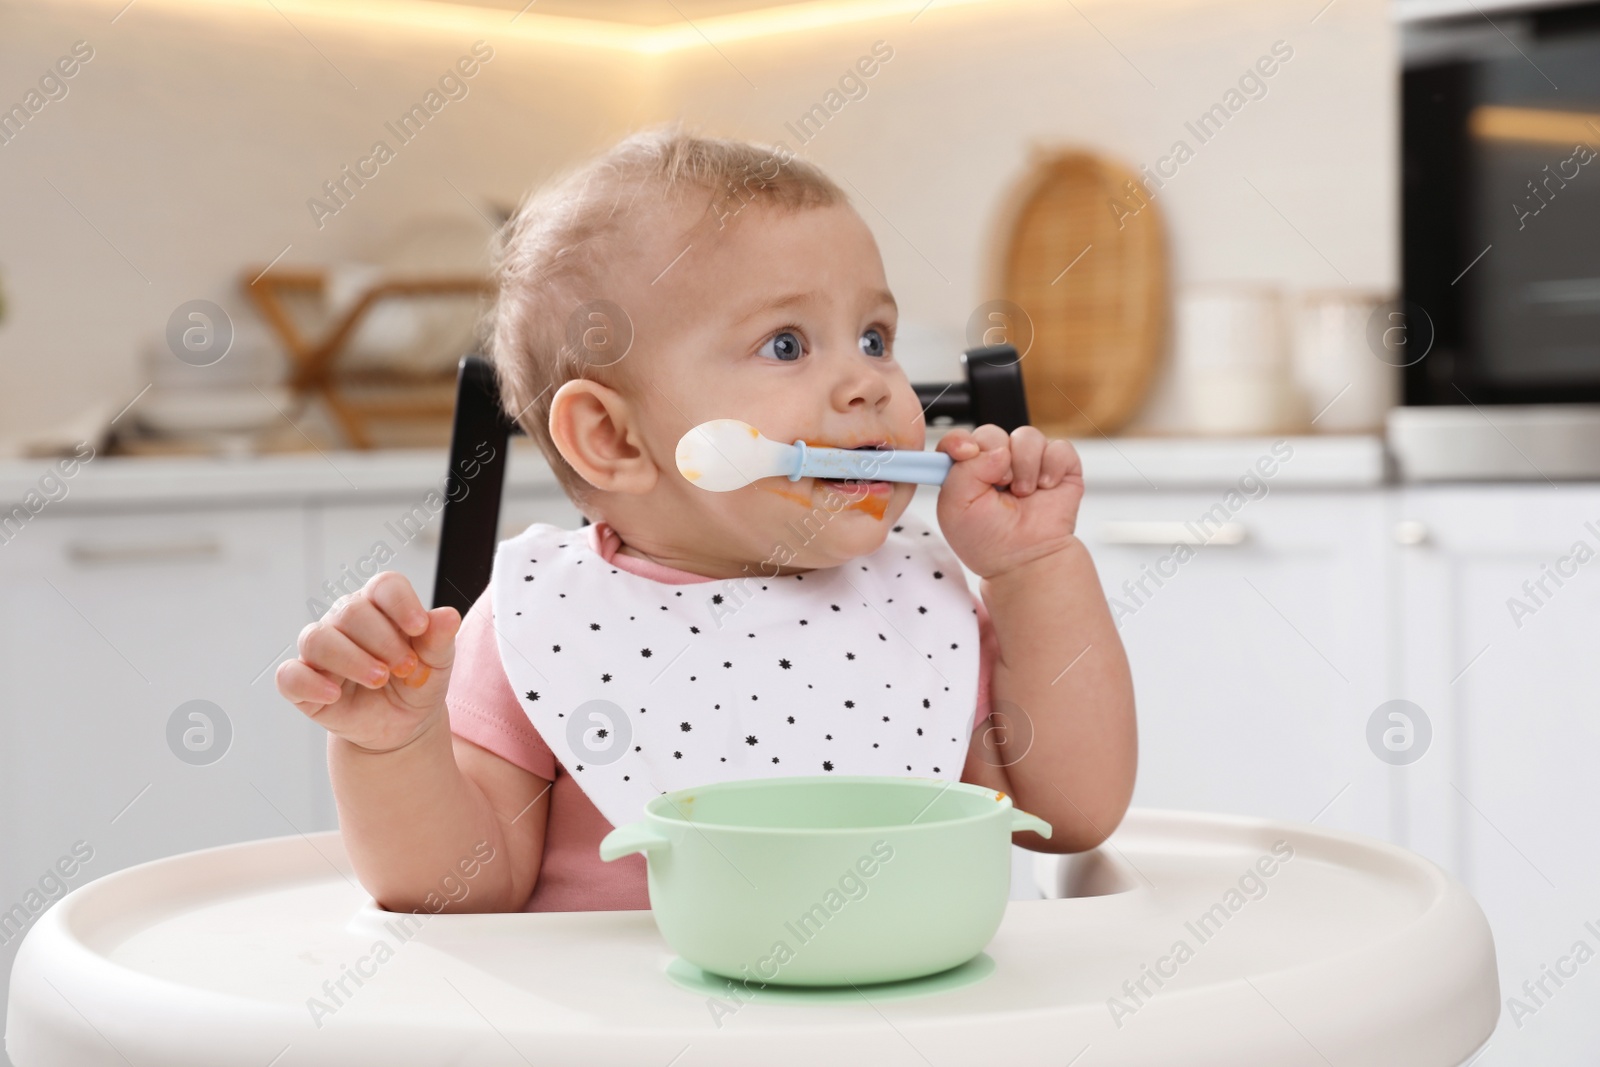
(873, 344)
(783, 345)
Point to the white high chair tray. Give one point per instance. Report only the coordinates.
(1351, 952)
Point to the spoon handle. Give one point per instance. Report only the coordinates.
(899, 465)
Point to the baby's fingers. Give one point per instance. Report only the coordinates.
(359, 619)
(1060, 462)
(306, 687)
(1027, 452)
(322, 646)
(395, 598)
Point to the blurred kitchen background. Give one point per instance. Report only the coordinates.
(1313, 285)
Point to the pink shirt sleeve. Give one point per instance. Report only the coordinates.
(482, 707)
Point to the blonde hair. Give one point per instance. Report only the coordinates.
(551, 321)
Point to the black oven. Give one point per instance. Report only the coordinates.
(1500, 205)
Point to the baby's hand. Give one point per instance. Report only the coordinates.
(994, 531)
(375, 668)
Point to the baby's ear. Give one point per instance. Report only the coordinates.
(594, 429)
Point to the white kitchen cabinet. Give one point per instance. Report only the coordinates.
(1508, 795)
(110, 622)
(1256, 663)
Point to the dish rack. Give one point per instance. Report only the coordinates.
(356, 397)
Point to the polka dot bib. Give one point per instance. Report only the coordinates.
(639, 687)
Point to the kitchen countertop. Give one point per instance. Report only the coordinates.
(1109, 463)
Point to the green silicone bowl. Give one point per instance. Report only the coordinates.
(822, 881)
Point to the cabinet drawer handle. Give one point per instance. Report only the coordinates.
(111, 555)
(1171, 533)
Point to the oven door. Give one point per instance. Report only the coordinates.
(1501, 207)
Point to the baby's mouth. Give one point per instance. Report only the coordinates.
(858, 486)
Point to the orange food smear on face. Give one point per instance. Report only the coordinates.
(874, 505)
(787, 494)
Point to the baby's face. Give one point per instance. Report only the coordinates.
(784, 320)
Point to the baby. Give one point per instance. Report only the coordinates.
(788, 628)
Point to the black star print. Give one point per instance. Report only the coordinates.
(954, 645)
(727, 663)
(694, 629)
(922, 611)
(791, 718)
(919, 731)
(646, 653)
(677, 755)
(827, 764)
(532, 695)
(605, 677)
(897, 529)
(936, 770)
(784, 664)
(882, 638)
(802, 621)
(685, 727)
(555, 648)
(886, 718)
(716, 598)
(594, 626)
(849, 703)
(528, 578)
(750, 739)
(835, 607)
(926, 703)
(849, 655)
(774, 759)
(602, 733)
(828, 736)
(938, 574)
(580, 766)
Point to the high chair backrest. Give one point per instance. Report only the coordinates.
(481, 433)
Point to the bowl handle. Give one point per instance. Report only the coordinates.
(1021, 820)
(635, 837)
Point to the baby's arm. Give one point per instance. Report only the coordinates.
(419, 808)
(1064, 744)
(1061, 682)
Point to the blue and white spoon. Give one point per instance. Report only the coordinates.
(725, 454)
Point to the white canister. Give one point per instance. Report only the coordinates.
(1231, 364)
(1348, 388)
